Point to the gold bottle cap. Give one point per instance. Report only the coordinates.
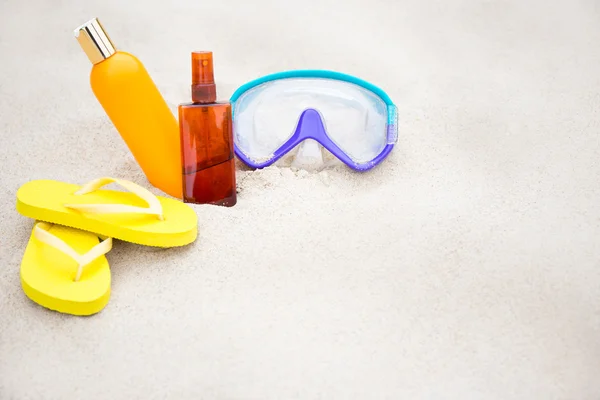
(94, 41)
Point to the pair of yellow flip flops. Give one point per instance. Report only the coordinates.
(64, 267)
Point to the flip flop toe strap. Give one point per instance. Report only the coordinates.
(154, 206)
(41, 233)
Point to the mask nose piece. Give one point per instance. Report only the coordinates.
(309, 156)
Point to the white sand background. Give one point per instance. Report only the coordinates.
(467, 266)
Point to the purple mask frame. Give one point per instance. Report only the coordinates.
(310, 124)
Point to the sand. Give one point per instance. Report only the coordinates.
(464, 267)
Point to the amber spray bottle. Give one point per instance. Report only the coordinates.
(206, 140)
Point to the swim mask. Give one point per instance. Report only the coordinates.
(353, 119)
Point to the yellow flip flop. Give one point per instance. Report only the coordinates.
(138, 217)
(64, 269)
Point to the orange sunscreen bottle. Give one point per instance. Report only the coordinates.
(136, 108)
